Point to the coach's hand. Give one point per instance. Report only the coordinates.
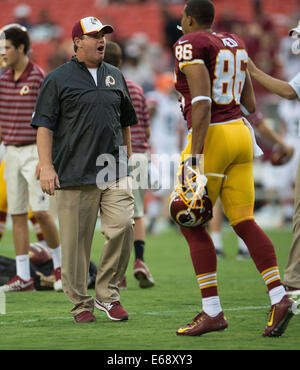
(48, 179)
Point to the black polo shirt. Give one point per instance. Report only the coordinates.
(86, 121)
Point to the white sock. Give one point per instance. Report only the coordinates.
(211, 306)
(56, 256)
(276, 294)
(23, 266)
(217, 240)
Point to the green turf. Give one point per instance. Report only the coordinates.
(41, 319)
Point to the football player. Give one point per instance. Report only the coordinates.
(212, 78)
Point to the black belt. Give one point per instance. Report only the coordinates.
(19, 145)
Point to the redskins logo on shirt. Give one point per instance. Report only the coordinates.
(110, 81)
(25, 90)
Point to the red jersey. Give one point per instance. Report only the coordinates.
(225, 57)
(139, 140)
(17, 101)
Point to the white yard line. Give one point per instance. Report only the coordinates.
(68, 317)
(152, 313)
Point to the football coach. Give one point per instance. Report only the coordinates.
(84, 112)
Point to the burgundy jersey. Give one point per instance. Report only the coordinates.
(139, 139)
(17, 101)
(225, 57)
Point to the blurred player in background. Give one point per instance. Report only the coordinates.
(167, 133)
(288, 90)
(140, 134)
(212, 77)
(19, 87)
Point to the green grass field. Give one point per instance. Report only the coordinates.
(41, 319)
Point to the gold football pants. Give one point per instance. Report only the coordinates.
(228, 151)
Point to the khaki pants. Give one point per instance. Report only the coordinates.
(292, 270)
(77, 209)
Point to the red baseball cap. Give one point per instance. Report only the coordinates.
(90, 26)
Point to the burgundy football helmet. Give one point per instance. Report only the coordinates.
(189, 204)
(187, 216)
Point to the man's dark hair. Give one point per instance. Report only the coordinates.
(113, 54)
(18, 37)
(202, 10)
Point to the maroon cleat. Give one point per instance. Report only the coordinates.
(279, 317)
(84, 316)
(203, 323)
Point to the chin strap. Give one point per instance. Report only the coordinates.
(194, 188)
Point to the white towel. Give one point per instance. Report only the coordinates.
(257, 152)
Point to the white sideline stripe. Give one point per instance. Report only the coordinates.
(31, 320)
(192, 310)
(153, 313)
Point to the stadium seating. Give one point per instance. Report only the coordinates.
(127, 19)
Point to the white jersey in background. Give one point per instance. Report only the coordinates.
(166, 123)
(295, 83)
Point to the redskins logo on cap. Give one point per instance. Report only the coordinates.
(25, 90)
(94, 20)
(110, 81)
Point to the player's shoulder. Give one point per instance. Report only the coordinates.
(205, 39)
(6, 74)
(58, 76)
(62, 72)
(37, 70)
(36, 75)
(230, 39)
(198, 37)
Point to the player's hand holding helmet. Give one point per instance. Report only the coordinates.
(189, 204)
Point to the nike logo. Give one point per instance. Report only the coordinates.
(25, 285)
(182, 41)
(270, 322)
